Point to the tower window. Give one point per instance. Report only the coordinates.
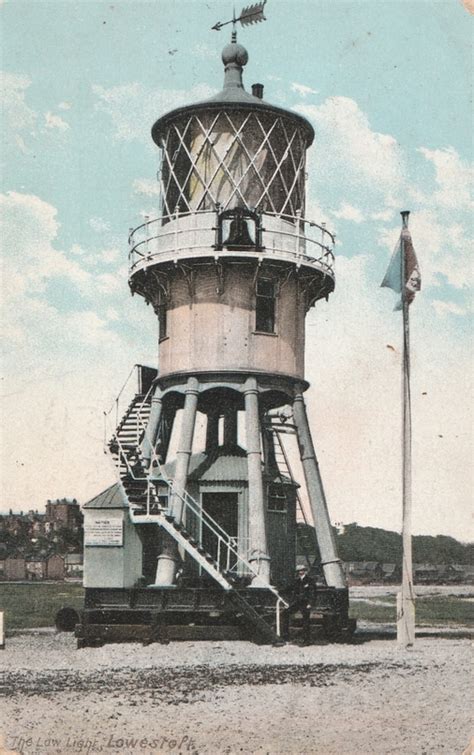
(265, 306)
(276, 498)
(162, 319)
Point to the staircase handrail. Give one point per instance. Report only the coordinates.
(115, 403)
(191, 504)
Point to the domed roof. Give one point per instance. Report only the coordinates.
(232, 96)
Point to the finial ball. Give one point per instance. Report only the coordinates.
(235, 53)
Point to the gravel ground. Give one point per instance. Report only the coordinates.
(222, 697)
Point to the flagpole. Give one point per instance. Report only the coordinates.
(405, 599)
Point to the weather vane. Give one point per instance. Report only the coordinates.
(252, 14)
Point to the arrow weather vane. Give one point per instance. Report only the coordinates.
(252, 14)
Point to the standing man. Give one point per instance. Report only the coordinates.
(300, 593)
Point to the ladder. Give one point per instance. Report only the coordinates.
(139, 486)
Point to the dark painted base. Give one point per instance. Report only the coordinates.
(200, 613)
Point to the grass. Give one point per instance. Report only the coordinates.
(430, 610)
(29, 605)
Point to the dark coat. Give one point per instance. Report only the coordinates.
(301, 591)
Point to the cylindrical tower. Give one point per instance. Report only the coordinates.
(231, 267)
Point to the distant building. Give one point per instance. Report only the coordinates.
(37, 537)
(364, 572)
(451, 574)
(74, 564)
(55, 567)
(35, 568)
(468, 574)
(392, 573)
(426, 574)
(15, 568)
(63, 512)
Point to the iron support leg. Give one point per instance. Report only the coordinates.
(230, 427)
(258, 551)
(151, 432)
(212, 431)
(327, 546)
(169, 557)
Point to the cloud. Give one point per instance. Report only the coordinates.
(348, 212)
(146, 186)
(110, 283)
(122, 103)
(448, 308)
(364, 177)
(64, 106)
(71, 333)
(78, 277)
(454, 178)
(384, 215)
(203, 51)
(55, 122)
(110, 256)
(19, 120)
(347, 148)
(99, 225)
(302, 89)
(89, 328)
(30, 225)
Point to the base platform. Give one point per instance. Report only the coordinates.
(149, 614)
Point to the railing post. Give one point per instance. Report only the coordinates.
(298, 231)
(277, 609)
(130, 246)
(105, 432)
(176, 217)
(147, 233)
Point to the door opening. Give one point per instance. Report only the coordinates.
(223, 508)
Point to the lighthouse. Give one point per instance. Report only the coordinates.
(200, 529)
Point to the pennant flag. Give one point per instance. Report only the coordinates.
(403, 264)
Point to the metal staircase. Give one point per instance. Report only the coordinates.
(139, 484)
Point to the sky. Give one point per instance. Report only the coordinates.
(387, 87)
